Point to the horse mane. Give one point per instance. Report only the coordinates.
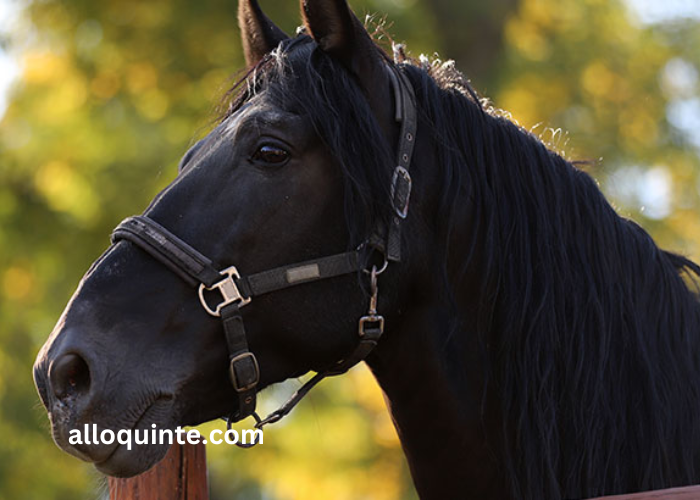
(593, 335)
(590, 332)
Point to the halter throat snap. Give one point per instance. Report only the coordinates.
(223, 293)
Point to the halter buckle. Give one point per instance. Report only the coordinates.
(249, 374)
(401, 185)
(228, 289)
(371, 327)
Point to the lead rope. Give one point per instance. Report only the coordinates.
(370, 328)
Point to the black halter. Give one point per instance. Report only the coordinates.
(236, 291)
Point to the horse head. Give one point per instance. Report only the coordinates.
(274, 183)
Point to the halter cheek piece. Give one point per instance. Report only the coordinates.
(236, 291)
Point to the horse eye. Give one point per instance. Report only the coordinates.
(270, 154)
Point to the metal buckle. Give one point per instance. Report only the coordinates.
(364, 326)
(401, 185)
(372, 246)
(229, 291)
(232, 372)
(371, 327)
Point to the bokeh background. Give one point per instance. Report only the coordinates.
(98, 100)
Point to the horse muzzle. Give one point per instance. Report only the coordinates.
(85, 420)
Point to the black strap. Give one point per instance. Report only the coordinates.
(368, 341)
(168, 249)
(389, 239)
(195, 268)
(302, 272)
(243, 366)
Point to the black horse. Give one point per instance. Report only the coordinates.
(537, 345)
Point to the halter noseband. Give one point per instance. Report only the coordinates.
(236, 291)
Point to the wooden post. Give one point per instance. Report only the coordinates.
(181, 475)
(686, 493)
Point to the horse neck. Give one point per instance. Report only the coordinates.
(436, 411)
(435, 401)
(431, 363)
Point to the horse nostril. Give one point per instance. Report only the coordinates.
(70, 376)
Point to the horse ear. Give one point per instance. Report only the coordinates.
(339, 33)
(258, 34)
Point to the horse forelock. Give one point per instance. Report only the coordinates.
(301, 78)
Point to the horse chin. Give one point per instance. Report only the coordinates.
(123, 457)
(131, 459)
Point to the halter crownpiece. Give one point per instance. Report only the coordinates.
(235, 291)
(401, 183)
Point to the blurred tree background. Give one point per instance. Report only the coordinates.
(108, 95)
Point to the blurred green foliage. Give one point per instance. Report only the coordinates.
(112, 93)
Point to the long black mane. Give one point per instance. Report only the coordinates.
(590, 332)
(593, 335)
